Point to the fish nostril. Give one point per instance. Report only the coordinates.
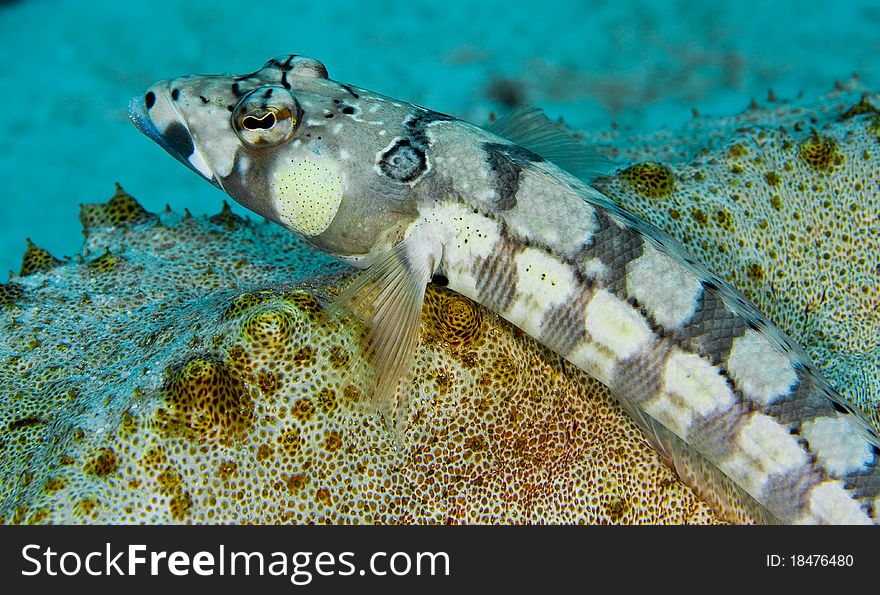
(150, 99)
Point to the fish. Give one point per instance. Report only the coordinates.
(505, 216)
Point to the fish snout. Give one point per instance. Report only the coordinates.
(155, 115)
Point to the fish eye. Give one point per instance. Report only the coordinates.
(254, 124)
(266, 117)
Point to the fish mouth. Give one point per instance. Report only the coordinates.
(137, 113)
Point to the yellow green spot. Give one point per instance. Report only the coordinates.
(37, 260)
(204, 397)
(339, 357)
(305, 303)
(455, 319)
(756, 272)
(105, 263)
(39, 516)
(291, 440)
(862, 107)
(332, 441)
(724, 219)
(226, 218)
(616, 508)
(101, 463)
(650, 179)
(820, 152)
(305, 357)
(874, 127)
(180, 506)
(297, 482)
(120, 210)
(268, 382)
(475, 443)
(10, 293)
(324, 497)
(699, 216)
(53, 484)
(244, 302)
(169, 480)
(269, 328)
(227, 469)
(264, 452)
(303, 410)
(327, 401)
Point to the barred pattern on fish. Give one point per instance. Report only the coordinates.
(409, 194)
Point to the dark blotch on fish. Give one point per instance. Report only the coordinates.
(350, 90)
(403, 161)
(515, 153)
(416, 125)
(507, 172)
(178, 139)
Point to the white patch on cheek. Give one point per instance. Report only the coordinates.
(307, 194)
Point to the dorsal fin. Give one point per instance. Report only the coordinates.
(531, 128)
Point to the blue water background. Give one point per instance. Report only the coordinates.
(69, 67)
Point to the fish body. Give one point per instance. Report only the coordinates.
(408, 194)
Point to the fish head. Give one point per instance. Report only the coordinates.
(292, 145)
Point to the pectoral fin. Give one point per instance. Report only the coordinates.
(388, 298)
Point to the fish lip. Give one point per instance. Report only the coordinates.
(138, 115)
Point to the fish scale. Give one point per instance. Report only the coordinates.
(717, 432)
(730, 402)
